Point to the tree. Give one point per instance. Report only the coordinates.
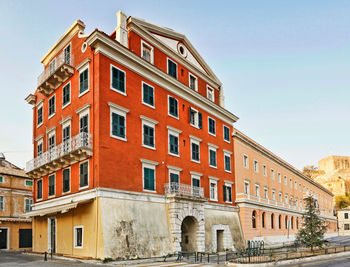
(342, 201)
(310, 171)
(312, 232)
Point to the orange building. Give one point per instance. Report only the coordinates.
(133, 155)
(270, 194)
(15, 200)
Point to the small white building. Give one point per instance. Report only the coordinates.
(344, 221)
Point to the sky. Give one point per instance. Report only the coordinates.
(284, 65)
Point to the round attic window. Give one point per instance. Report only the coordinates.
(182, 50)
(84, 47)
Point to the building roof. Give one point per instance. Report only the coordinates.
(280, 161)
(7, 168)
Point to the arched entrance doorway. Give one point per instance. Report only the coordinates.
(189, 229)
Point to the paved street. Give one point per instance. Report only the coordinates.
(332, 262)
(9, 259)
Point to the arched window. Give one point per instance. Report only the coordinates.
(280, 221)
(297, 223)
(272, 221)
(291, 222)
(254, 219)
(286, 222)
(263, 220)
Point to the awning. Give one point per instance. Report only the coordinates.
(15, 220)
(57, 209)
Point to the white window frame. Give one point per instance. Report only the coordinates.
(25, 204)
(42, 189)
(256, 166)
(40, 106)
(229, 133)
(266, 192)
(70, 94)
(209, 88)
(285, 180)
(154, 96)
(210, 118)
(83, 111)
(150, 165)
(272, 174)
(246, 183)
(196, 141)
(280, 197)
(189, 81)
(65, 124)
(53, 114)
(264, 170)
(82, 69)
(197, 176)
(175, 132)
(295, 185)
(227, 154)
(52, 63)
(150, 123)
(245, 161)
(75, 236)
(48, 185)
(273, 194)
(213, 180)
(86, 186)
(196, 118)
(257, 190)
(40, 141)
(291, 182)
(178, 111)
(229, 184)
(174, 170)
(70, 179)
(279, 177)
(121, 111)
(111, 80)
(286, 199)
(151, 54)
(167, 67)
(214, 148)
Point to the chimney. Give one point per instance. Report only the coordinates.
(121, 32)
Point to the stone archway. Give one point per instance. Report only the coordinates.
(189, 229)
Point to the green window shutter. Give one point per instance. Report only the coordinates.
(224, 190)
(81, 82)
(200, 120)
(230, 194)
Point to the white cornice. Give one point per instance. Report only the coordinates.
(108, 47)
(120, 108)
(83, 108)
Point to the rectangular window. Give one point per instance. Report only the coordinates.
(117, 80)
(291, 182)
(84, 81)
(52, 106)
(246, 187)
(212, 157)
(84, 124)
(52, 66)
(78, 237)
(285, 180)
(40, 147)
(66, 95)
(196, 118)
(228, 163)
(147, 94)
(118, 125)
(67, 55)
(279, 178)
(196, 182)
(210, 94)
(51, 185)
(266, 192)
(84, 174)
(1, 179)
(39, 190)
(148, 135)
(174, 177)
(66, 180)
(273, 195)
(28, 183)
(28, 205)
(148, 179)
(211, 126)
(195, 151)
(245, 161)
(173, 107)
(257, 191)
(272, 174)
(264, 170)
(172, 68)
(213, 190)
(346, 226)
(346, 215)
(173, 144)
(280, 197)
(227, 192)
(226, 133)
(40, 115)
(1, 203)
(66, 138)
(295, 185)
(256, 166)
(147, 52)
(193, 82)
(51, 141)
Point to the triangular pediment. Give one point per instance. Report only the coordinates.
(178, 43)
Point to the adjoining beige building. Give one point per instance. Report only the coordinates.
(15, 199)
(334, 174)
(270, 194)
(344, 221)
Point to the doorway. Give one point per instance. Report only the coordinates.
(3, 238)
(189, 229)
(220, 240)
(52, 235)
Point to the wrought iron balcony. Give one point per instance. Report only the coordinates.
(57, 73)
(184, 189)
(72, 150)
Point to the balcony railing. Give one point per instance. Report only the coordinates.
(184, 189)
(79, 142)
(56, 73)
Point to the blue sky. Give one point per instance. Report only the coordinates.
(284, 64)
